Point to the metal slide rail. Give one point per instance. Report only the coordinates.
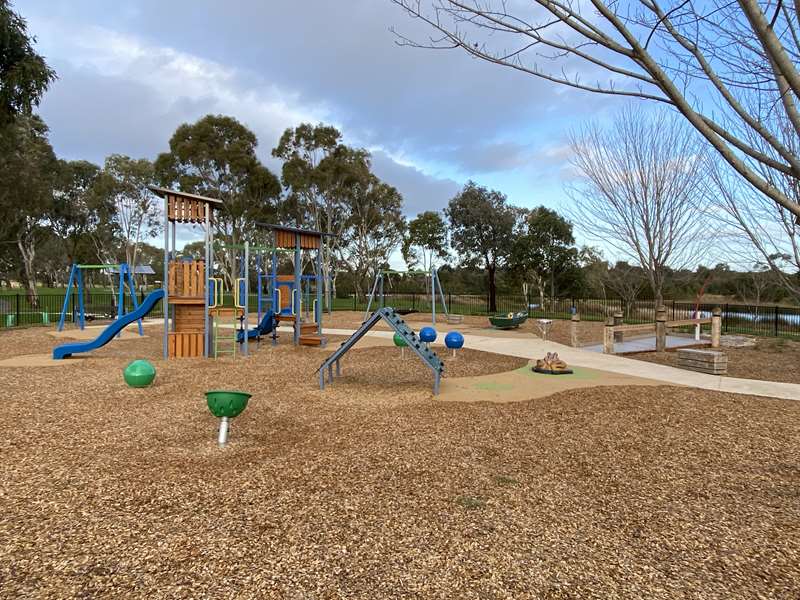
(419, 347)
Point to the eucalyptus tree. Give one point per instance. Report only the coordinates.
(24, 74)
(481, 231)
(216, 157)
(319, 174)
(426, 240)
(27, 179)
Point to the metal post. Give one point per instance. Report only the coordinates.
(441, 294)
(132, 290)
(433, 296)
(165, 277)
(206, 287)
(81, 307)
(319, 280)
(223, 431)
(246, 275)
(297, 287)
(67, 296)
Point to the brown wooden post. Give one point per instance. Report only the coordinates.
(661, 329)
(716, 326)
(608, 336)
(619, 336)
(575, 322)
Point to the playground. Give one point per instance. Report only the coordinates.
(608, 487)
(263, 446)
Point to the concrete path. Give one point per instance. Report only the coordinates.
(533, 348)
(647, 344)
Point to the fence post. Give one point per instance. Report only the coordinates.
(354, 302)
(608, 336)
(661, 329)
(575, 322)
(776, 320)
(725, 317)
(716, 326)
(16, 318)
(619, 336)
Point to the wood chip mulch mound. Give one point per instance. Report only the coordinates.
(372, 489)
(771, 359)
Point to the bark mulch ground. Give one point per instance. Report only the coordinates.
(372, 489)
(771, 359)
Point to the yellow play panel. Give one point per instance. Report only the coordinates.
(523, 384)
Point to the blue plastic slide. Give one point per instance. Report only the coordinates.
(65, 350)
(268, 323)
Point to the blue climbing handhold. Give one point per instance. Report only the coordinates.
(454, 340)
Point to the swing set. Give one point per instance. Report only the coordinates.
(76, 282)
(378, 296)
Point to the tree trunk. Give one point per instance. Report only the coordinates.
(28, 253)
(491, 270)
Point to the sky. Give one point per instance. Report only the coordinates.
(131, 72)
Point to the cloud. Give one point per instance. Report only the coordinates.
(420, 192)
(129, 75)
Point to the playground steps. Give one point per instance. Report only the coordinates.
(310, 328)
(312, 340)
(400, 327)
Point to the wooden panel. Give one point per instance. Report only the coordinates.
(187, 210)
(186, 279)
(185, 345)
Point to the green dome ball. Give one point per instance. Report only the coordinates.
(399, 341)
(140, 373)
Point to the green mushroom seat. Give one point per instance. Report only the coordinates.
(226, 403)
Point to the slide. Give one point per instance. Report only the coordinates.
(268, 323)
(65, 350)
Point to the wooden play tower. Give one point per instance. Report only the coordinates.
(289, 306)
(186, 301)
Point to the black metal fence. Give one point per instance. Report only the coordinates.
(17, 311)
(767, 321)
(774, 321)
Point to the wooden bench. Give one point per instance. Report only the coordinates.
(704, 361)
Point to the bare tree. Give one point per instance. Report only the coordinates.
(751, 288)
(626, 281)
(759, 231)
(641, 191)
(712, 62)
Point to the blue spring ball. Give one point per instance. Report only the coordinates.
(454, 340)
(427, 334)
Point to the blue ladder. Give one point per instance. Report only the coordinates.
(419, 347)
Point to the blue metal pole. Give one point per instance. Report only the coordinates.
(81, 311)
(245, 275)
(318, 308)
(66, 297)
(165, 278)
(132, 289)
(297, 289)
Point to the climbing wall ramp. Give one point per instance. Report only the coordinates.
(400, 327)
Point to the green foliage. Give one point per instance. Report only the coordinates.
(481, 231)
(216, 157)
(374, 229)
(27, 176)
(24, 74)
(427, 236)
(122, 189)
(543, 249)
